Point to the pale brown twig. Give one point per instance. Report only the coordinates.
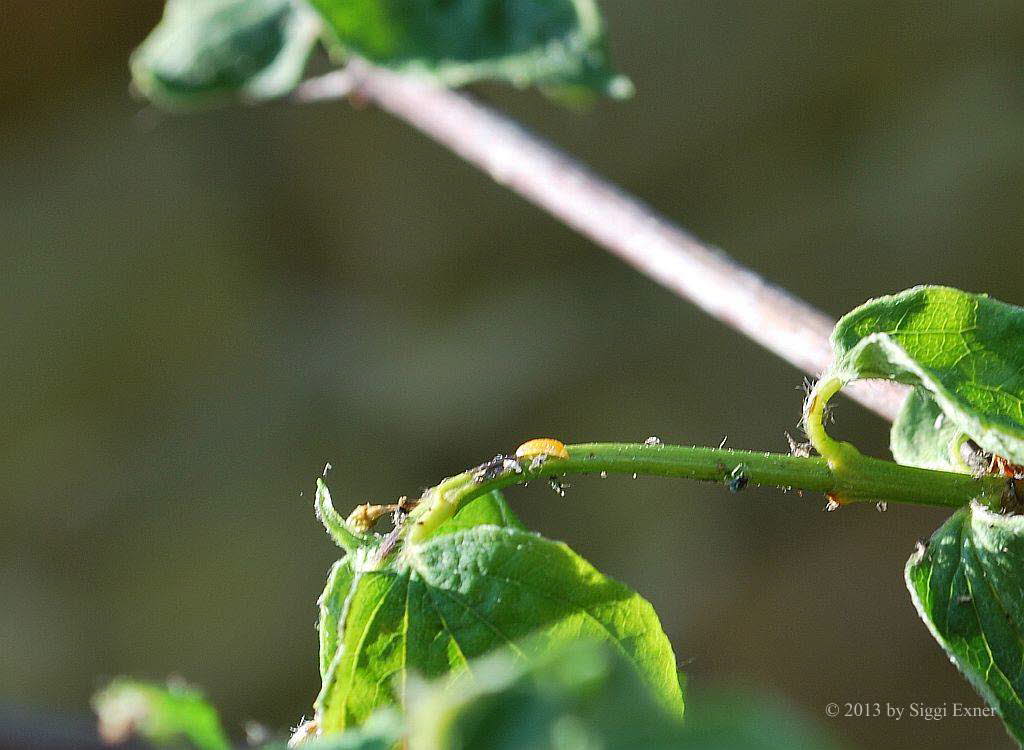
(615, 220)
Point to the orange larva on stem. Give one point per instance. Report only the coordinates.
(542, 447)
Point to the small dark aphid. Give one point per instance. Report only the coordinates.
(738, 484)
(401, 510)
(738, 479)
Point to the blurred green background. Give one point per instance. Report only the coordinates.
(199, 311)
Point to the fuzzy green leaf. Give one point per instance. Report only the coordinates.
(557, 43)
(459, 595)
(165, 716)
(968, 586)
(585, 694)
(332, 606)
(582, 694)
(964, 350)
(208, 52)
(922, 436)
(490, 509)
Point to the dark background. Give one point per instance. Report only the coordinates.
(199, 311)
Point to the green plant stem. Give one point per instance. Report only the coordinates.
(873, 480)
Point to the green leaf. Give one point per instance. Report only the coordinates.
(208, 52)
(922, 436)
(163, 716)
(963, 349)
(968, 586)
(585, 694)
(489, 509)
(582, 694)
(551, 43)
(459, 595)
(332, 606)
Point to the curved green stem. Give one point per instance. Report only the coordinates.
(836, 452)
(853, 470)
(844, 460)
(874, 479)
(438, 504)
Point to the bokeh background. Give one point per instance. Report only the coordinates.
(199, 311)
